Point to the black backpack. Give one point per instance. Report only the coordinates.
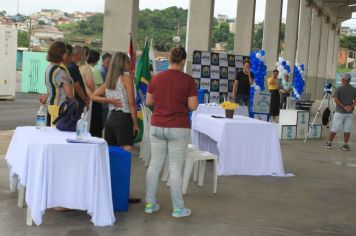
(68, 116)
(326, 116)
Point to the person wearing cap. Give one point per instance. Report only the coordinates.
(345, 99)
(284, 91)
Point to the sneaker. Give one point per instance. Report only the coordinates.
(327, 145)
(150, 208)
(345, 147)
(181, 212)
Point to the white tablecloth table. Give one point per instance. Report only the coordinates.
(60, 174)
(215, 109)
(245, 146)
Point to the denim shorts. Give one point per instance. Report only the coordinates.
(342, 120)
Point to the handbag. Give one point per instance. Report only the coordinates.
(68, 116)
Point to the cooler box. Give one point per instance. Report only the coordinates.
(120, 169)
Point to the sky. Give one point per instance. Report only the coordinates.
(226, 7)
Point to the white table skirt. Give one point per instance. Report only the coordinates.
(215, 109)
(60, 174)
(245, 146)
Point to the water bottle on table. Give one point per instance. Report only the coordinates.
(82, 127)
(41, 117)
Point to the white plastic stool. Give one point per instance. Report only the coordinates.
(193, 158)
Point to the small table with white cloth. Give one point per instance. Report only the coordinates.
(56, 173)
(245, 146)
(215, 109)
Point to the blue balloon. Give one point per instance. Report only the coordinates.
(263, 52)
(284, 63)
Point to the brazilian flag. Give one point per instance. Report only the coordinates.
(143, 77)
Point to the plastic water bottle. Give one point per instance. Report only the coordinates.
(41, 117)
(82, 127)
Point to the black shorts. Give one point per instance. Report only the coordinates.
(119, 129)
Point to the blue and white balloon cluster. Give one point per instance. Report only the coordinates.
(298, 81)
(283, 67)
(258, 68)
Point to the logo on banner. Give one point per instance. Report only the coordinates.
(205, 84)
(232, 73)
(197, 57)
(214, 97)
(196, 71)
(215, 72)
(231, 60)
(239, 61)
(205, 72)
(205, 58)
(223, 60)
(214, 85)
(214, 59)
(224, 85)
(224, 73)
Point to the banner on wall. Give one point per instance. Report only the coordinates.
(216, 73)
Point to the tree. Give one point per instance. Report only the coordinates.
(258, 36)
(3, 13)
(348, 42)
(23, 39)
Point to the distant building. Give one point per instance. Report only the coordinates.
(48, 33)
(348, 31)
(5, 20)
(232, 26)
(222, 18)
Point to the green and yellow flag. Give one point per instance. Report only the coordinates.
(143, 77)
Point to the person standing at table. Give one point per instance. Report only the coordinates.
(80, 93)
(173, 95)
(118, 92)
(273, 87)
(284, 91)
(96, 125)
(58, 81)
(241, 89)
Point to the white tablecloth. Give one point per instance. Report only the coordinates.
(60, 174)
(215, 109)
(245, 146)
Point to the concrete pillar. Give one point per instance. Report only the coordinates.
(121, 17)
(245, 19)
(336, 51)
(324, 38)
(271, 32)
(330, 54)
(199, 27)
(314, 49)
(305, 19)
(291, 34)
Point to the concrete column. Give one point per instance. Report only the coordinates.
(336, 51)
(121, 17)
(330, 54)
(271, 32)
(199, 27)
(319, 89)
(314, 52)
(291, 34)
(305, 19)
(245, 19)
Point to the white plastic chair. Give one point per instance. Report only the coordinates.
(201, 157)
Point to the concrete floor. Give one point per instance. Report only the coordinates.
(319, 200)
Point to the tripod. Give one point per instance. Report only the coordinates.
(327, 96)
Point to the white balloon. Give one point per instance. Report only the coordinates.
(277, 64)
(281, 69)
(257, 88)
(288, 63)
(297, 64)
(258, 55)
(285, 72)
(280, 60)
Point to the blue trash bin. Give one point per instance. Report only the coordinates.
(120, 168)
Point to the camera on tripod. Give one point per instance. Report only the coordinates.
(328, 87)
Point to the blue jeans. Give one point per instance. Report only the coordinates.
(174, 142)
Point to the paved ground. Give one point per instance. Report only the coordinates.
(319, 200)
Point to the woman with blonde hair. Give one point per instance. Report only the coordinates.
(118, 92)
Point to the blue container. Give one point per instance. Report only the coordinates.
(201, 96)
(120, 168)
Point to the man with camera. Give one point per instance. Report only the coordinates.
(345, 99)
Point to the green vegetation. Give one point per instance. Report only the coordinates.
(221, 33)
(68, 27)
(258, 36)
(22, 39)
(348, 42)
